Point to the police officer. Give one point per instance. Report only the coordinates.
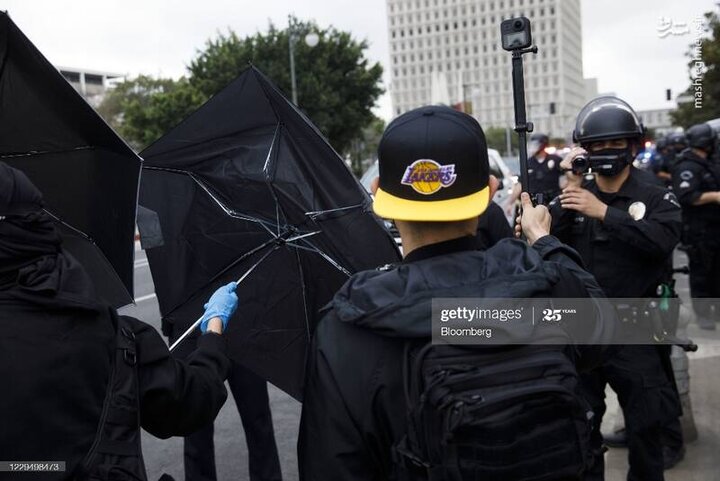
(697, 183)
(625, 230)
(677, 143)
(543, 171)
(81, 380)
(353, 411)
(662, 167)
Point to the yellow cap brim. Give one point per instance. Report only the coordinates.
(389, 206)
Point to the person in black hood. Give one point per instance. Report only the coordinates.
(58, 356)
(433, 182)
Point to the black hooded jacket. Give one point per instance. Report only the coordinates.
(56, 345)
(354, 405)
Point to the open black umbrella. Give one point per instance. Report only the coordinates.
(87, 174)
(248, 182)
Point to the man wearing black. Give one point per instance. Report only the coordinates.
(81, 380)
(434, 183)
(625, 230)
(696, 181)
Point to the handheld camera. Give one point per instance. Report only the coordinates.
(515, 34)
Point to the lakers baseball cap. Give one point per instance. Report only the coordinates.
(433, 167)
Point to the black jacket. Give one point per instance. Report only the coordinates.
(56, 363)
(628, 257)
(354, 409)
(692, 177)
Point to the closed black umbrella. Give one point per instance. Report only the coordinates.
(248, 182)
(87, 174)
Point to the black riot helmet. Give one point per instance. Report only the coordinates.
(540, 138)
(661, 144)
(677, 138)
(606, 118)
(701, 136)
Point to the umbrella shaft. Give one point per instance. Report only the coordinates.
(186, 334)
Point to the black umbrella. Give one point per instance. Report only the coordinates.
(88, 175)
(247, 181)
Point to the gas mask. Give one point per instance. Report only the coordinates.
(610, 162)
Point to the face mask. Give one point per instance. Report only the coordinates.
(610, 162)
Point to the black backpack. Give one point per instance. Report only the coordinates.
(116, 453)
(505, 413)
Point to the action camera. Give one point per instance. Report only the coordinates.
(515, 33)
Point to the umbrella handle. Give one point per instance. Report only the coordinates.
(237, 283)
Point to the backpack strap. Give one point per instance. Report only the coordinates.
(117, 443)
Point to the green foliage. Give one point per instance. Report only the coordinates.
(687, 114)
(363, 151)
(496, 139)
(337, 86)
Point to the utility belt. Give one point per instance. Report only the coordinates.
(654, 319)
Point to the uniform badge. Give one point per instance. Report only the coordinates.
(684, 184)
(686, 175)
(551, 164)
(637, 210)
(426, 176)
(670, 197)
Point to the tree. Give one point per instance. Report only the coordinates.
(704, 78)
(337, 86)
(364, 148)
(496, 139)
(144, 108)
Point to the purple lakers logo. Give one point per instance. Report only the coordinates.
(426, 176)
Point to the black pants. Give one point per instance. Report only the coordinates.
(251, 398)
(641, 378)
(705, 278)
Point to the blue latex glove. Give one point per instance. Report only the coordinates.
(222, 304)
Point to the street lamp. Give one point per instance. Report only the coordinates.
(311, 40)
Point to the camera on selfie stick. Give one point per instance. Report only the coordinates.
(517, 38)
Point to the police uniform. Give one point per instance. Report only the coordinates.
(692, 177)
(628, 253)
(544, 175)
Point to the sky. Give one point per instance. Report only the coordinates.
(622, 46)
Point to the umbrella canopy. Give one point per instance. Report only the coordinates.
(87, 174)
(244, 175)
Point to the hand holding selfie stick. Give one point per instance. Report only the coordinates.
(516, 38)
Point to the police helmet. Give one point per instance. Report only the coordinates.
(540, 138)
(677, 138)
(700, 136)
(661, 143)
(606, 118)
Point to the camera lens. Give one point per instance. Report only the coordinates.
(580, 164)
(518, 25)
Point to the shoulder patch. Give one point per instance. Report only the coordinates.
(686, 175)
(670, 197)
(684, 184)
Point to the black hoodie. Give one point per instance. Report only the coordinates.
(354, 406)
(57, 341)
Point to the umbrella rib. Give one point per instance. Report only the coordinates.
(268, 181)
(326, 257)
(304, 295)
(230, 212)
(72, 228)
(317, 213)
(44, 152)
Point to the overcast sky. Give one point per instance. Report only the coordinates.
(622, 46)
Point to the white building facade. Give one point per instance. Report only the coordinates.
(452, 47)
